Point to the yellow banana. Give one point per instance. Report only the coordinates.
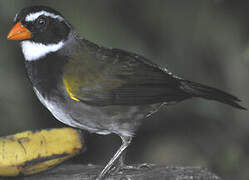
(31, 152)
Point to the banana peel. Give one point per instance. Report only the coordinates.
(32, 152)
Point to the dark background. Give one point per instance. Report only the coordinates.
(201, 40)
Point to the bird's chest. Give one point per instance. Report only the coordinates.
(46, 75)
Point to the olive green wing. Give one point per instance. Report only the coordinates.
(117, 77)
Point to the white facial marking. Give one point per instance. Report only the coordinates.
(15, 17)
(33, 51)
(34, 16)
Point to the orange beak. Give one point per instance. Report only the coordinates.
(19, 32)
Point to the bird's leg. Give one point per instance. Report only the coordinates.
(121, 159)
(125, 143)
(119, 165)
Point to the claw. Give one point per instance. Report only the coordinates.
(145, 166)
(125, 178)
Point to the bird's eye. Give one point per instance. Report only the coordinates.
(41, 22)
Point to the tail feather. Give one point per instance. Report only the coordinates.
(199, 90)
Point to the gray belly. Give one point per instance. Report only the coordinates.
(122, 120)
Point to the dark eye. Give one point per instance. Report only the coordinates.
(41, 22)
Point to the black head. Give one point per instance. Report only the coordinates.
(45, 25)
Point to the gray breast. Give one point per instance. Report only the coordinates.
(122, 120)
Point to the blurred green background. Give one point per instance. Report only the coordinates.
(201, 40)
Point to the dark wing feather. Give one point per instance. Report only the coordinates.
(101, 77)
(123, 78)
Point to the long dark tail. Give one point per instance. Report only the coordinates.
(199, 90)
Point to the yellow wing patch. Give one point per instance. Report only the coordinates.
(69, 91)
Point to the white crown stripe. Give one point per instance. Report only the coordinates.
(33, 51)
(34, 16)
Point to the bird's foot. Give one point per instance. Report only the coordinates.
(121, 169)
(145, 166)
(138, 167)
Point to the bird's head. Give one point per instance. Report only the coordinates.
(41, 30)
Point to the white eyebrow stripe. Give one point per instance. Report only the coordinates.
(34, 16)
(15, 17)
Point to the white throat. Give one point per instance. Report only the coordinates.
(33, 51)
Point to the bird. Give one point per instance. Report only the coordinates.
(94, 88)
